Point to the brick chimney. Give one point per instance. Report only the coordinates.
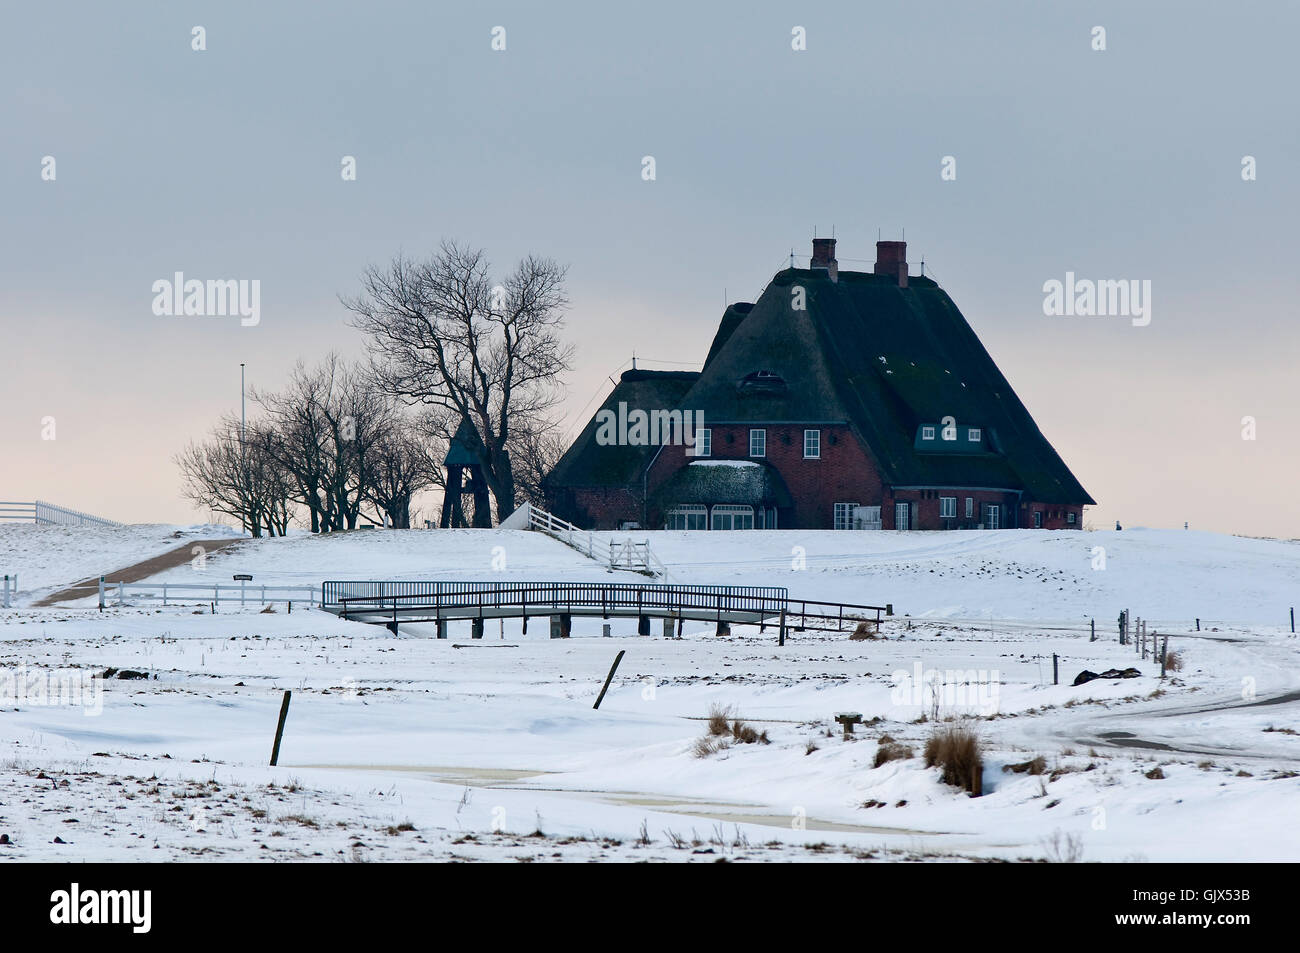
(891, 259)
(823, 257)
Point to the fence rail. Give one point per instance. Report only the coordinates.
(50, 514)
(125, 593)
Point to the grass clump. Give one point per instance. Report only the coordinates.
(955, 750)
(892, 751)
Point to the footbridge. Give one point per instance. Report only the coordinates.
(393, 602)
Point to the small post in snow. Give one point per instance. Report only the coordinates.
(608, 678)
(1056, 680)
(1092, 624)
(781, 640)
(279, 728)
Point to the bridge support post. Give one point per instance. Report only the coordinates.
(476, 629)
(643, 625)
(561, 626)
(724, 628)
(442, 628)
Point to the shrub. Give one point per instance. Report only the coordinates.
(955, 749)
(1173, 662)
(864, 630)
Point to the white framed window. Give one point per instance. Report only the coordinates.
(727, 516)
(758, 443)
(927, 433)
(844, 515)
(948, 507)
(1069, 518)
(970, 506)
(687, 517)
(703, 442)
(992, 515)
(812, 444)
(974, 435)
(1038, 519)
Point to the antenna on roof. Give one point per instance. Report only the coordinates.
(791, 256)
(877, 234)
(832, 230)
(634, 360)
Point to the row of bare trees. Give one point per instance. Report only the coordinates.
(330, 445)
(448, 351)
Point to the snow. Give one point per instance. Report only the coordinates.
(478, 744)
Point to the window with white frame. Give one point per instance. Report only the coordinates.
(970, 506)
(1038, 519)
(758, 443)
(844, 515)
(947, 507)
(688, 517)
(974, 435)
(927, 433)
(703, 442)
(812, 444)
(1069, 518)
(727, 516)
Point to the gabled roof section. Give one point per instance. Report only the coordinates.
(587, 463)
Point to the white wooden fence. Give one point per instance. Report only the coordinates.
(172, 593)
(50, 514)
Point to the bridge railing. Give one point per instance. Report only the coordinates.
(764, 602)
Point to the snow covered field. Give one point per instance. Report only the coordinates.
(411, 747)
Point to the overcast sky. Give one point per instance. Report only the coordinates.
(225, 163)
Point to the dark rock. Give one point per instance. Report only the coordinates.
(1087, 676)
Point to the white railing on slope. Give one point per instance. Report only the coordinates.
(50, 514)
(630, 554)
(171, 593)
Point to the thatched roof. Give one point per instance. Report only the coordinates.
(742, 482)
(587, 463)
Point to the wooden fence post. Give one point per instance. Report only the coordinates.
(608, 678)
(1055, 671)
(279, 728)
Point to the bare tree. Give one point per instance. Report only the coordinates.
(233, 473)
(440, 333)
(328, 422)
(401, 465)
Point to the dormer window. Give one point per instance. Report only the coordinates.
(764, 382)
(974, 435)
(927, 433)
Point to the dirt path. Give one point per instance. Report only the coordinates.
(142, 570)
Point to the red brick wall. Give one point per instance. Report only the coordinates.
(842, 474)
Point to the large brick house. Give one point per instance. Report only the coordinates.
(838, 400)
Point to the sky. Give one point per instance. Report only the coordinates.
(1123, 163)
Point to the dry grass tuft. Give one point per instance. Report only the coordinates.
(1173, 662)
(719, 719)
(892, 751)
(955, 749)
(866, 629)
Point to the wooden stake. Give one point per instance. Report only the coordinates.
(608, 678)
(279, 729)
